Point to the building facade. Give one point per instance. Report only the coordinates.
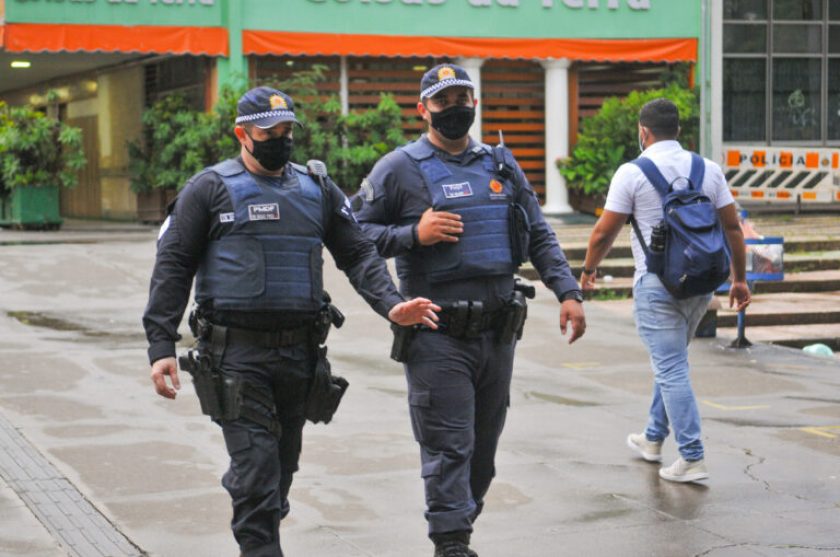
(539, 66)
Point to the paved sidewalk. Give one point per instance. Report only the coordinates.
(74, 384)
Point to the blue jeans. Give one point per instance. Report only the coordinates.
(666, 325)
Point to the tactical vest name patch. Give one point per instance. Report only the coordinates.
(264, 211)
(227, 217)
(454, 191)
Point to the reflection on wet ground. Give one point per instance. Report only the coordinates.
(56, 323)
(559, 399)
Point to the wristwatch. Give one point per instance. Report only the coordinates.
(591, 271)
(575, 295)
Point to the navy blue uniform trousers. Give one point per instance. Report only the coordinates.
(261, 465)
(459, 392)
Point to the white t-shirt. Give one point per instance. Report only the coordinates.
(631, 193)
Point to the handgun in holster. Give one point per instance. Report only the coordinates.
(516, 312)
(205, 381)
(327, 317)
(325, 392)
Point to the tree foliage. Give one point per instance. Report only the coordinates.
(178, 141)
(36, 150)
(610, 138)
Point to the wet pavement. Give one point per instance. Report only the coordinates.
(74, 383)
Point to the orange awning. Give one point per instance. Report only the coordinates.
(612, 50)
(42, 37)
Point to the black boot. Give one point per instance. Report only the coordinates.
(453, 544)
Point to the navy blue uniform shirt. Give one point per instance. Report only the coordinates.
(194, 220)
(392, 200)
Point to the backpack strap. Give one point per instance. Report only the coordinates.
(654, 176)
(698, 171)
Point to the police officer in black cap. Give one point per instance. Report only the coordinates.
(251, 230)
(460, 217)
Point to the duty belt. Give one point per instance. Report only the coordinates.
(468, 319)
(266, 339)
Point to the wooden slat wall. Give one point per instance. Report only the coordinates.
(399, 76)
(592, 84)
(274, 69)
(513, 100)
(85, 200)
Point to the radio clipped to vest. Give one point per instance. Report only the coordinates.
(518, 221)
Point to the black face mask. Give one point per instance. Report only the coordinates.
(454, 122)
(274, 153)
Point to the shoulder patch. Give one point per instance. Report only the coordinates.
(366, 190)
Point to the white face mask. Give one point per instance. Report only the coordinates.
(641, 144)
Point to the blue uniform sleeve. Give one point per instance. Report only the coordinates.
(377, 202)
(357, 257)
(181, 243)
(545, 252)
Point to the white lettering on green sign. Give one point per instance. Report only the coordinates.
(153, 2)
(574, 4)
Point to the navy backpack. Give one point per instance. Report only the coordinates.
(696, 256)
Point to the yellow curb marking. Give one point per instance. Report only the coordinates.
(822, 431)
(725, 407)
(582, 365)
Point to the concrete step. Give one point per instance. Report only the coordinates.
(793, 308)
(577, 251)
(795, 336)
(624, 267)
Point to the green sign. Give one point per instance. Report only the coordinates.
(186, 13)
(591, 19)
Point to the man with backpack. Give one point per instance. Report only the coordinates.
(686, 234)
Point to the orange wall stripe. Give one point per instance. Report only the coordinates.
(628, 50)
(48, 37)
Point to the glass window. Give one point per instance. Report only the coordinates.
(834, 39)
(833, 110)
(750, 10)
(797, 10)
(745, 38)
(744, 99)
(834, 10)
(796, 99)
(797, 38)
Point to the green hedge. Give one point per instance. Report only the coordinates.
(610, 138)
(179, 142)
(36, 150)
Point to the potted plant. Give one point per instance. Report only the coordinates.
(610, 138)
(37, 156)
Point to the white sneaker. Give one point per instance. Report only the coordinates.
(684, 471)
(649, 450)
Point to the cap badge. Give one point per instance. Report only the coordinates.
(446, 73)
(277, 102)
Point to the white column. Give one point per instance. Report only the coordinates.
(556, 134)
(716, 64)
(344, 88)
(473, 68)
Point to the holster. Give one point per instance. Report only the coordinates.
(402, 340)
(328, 316)
(325, 391)
(222, 397)
(516, 312)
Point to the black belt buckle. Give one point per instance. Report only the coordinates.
(474, 321)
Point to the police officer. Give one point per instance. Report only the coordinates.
(251, 231)
(460, 216)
